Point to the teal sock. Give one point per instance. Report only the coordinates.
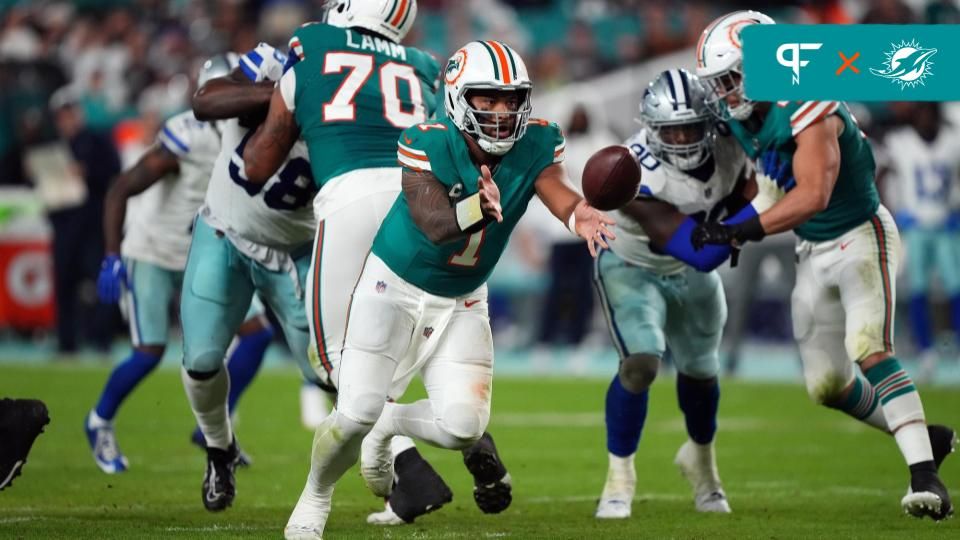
(863, 404)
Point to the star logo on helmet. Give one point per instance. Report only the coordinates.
(455, 66)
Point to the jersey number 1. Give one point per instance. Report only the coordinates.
(468, 256)
(343, 108)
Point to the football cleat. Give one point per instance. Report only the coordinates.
(617, 497)
(219, 485)
(698, 464)
(492, 490)
(376, 464)
(943, 441)
(21, 422)
(243, 459)
(418, 490)
(927, 496)
(103, 444)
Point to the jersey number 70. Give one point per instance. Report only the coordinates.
(360, 67)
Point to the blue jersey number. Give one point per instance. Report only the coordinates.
(295, 187)
(932, 181)
(644, 157)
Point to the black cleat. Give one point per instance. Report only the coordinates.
(243, 459)
(219, 486)
(927, 497)
(21, 422)
(491, 481)
(417, 488)
(943, 441)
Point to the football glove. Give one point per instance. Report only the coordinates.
(113, 276)
(713, 232)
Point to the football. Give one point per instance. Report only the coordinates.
(611, 178)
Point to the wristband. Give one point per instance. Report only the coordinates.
(469, 212)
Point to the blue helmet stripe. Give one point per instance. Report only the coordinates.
(673, 91)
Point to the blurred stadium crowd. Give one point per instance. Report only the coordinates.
(100, 76)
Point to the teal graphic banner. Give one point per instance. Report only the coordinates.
(857, 62)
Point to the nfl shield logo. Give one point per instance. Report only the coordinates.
(708, 192)
(381, 286)
(427, 332)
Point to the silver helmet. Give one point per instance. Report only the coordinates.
(680, 129)
(217, 66)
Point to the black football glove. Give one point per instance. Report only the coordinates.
(713, 232)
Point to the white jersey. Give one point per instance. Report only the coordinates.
(690, 195)
(261, 218)
(159, 219)
(925, 174)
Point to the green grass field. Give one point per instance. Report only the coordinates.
(790, 469)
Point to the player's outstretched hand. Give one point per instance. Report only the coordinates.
(489, 195)
(710, 232)
(592, 225)
(113, 275)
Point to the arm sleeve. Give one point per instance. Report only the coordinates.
(711, 256)
(262, 63)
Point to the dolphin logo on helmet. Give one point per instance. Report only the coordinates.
(487, 65)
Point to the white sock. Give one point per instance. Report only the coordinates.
(621, 477)
(914, 442)
(336, 447)
(208, 399)
(94, 421)
(400, 444)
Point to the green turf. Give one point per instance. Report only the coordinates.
(790, 469)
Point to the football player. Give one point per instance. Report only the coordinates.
(146, 269)
(247, 238)
(350, 118)
(819, 181)
(926, 188)
(658, 292)
(420, 304)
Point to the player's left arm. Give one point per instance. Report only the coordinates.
(558, 195)
(269, 147)
(231, 96)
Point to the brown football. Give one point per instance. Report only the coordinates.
(611, 178)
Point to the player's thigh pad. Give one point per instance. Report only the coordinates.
(341, 245)
(215, 298)
(865, 273)
(147, 302)
(819, 328)
(696, 313)
(634, 305)
(383, 312)
(459, 376)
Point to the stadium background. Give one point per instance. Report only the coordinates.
(131, 64)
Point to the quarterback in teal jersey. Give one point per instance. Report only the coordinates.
(349, 90)
(816, 177)
(420, 305)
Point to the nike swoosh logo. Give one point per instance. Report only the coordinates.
(470, 303)
(843, 245)
(407, 140)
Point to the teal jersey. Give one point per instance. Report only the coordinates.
(352, 93)
(457, 268)
(855, 198)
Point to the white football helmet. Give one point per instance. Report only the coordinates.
(720, 63)
(389, 18)
(487, 65)
(679, 126)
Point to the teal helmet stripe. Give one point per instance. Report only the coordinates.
(493, 60)
(510, 54)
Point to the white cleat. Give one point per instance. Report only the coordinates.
(376, 464)
(385, 518)
(309, 517)
(617, 497)
(698, 464)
